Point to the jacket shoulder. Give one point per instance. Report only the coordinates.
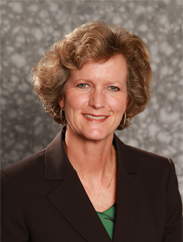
(144, 155)
(145, 163)
(151, 167)
(148, 158)
(25, 166)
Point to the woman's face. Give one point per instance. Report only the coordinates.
(96, 98)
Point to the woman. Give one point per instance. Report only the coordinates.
(87, 185)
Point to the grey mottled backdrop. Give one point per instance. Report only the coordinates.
(29, 28)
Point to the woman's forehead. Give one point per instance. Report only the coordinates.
(113, 67)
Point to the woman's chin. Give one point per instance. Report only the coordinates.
(95, 135)
(90, 134)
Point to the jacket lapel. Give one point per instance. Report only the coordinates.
(70, 198)
(129, 194)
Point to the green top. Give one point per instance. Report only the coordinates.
(108, 219)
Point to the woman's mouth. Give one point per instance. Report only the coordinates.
(94, 117)
(91, 117)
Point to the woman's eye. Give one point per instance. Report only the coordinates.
(82, 85)
(114, 88)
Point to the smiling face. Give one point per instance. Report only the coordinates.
(96, 98)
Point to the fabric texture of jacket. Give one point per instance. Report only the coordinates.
(43, 199)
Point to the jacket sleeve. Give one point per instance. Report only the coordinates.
(13, 228)
(173, 227)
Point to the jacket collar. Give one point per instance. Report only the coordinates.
(57, 164)
(124, 156)
(129, 192)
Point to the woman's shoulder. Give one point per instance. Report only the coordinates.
(35, 160)
(25, 167)
(143, 159)
(148, 156)
(151, 163)
(155, 173)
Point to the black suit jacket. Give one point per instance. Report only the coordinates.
(43, 199)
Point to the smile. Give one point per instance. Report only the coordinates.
(94, 117)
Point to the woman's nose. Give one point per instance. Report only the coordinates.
(97, 99)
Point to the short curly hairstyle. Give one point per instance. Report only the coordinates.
(94, 41)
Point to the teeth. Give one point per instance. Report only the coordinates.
(94, 117)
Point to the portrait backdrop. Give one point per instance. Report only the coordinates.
(31, 27)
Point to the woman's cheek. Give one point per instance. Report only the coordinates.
(117, 104)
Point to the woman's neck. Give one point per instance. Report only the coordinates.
(89, 158)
